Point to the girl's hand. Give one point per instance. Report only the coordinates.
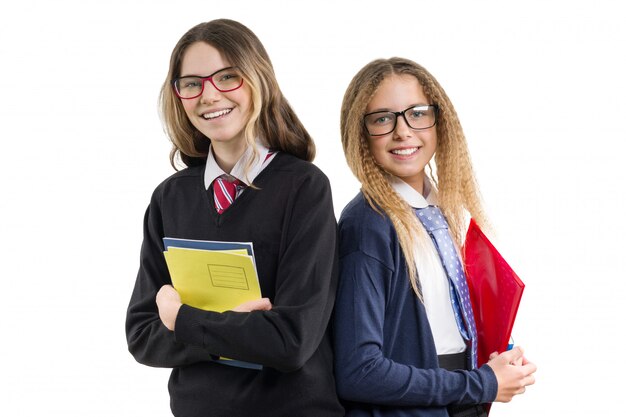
(261, 304)
(518, 362)
(513, 372)
(168, 302)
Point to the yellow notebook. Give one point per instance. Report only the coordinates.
(214, 276)
(215, 280)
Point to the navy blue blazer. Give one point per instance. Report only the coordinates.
(385, 356)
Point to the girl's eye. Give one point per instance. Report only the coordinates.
(416, 114)
(189, 83)
(227, 77)
(228, 80)
(382, 119)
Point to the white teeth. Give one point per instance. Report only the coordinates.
(408, 151)
(216, 114)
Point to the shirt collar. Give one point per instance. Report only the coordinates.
(412, 197)
(213, 170)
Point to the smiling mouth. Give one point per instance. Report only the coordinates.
(216, 114)
(404, 152)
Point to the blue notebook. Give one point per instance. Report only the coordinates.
(207, 244)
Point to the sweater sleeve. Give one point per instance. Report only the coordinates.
(364, 374)
(285, 337)
(149, 341)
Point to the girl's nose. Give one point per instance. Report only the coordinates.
(402, 130)
(210, 94)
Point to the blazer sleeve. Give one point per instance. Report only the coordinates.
(149, 341)
(285, 337)
(362, 371)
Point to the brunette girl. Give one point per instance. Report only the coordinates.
(249, 179)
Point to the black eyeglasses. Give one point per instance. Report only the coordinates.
(224, 80)
(420, 117)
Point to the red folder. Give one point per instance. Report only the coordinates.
(495, 292)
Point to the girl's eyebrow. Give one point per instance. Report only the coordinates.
(379, 110)
(382, 109)
(206, 76)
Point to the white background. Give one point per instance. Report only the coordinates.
(539, 87)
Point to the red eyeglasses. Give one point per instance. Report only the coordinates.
(192, 86)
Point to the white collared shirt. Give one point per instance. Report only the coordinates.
(213, 170)
(433, 279)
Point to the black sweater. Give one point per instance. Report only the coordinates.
(290, 221)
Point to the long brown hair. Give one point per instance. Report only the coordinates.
(272, 119)
(453, 175)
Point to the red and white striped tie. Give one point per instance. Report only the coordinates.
(224, 192)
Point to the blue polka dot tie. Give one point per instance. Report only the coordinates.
(434, 222)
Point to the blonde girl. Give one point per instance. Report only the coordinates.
(403, 335)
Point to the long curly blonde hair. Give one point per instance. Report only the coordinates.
(453, 176)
